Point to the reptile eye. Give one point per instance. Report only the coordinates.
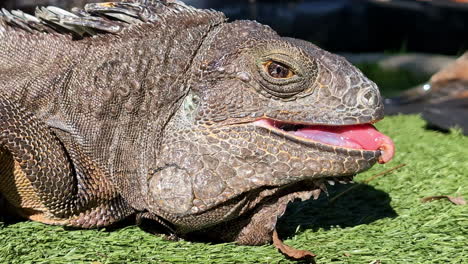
(278, 70)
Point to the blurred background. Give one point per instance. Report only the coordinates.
(360, 25)
(399, 44)
(437, 26)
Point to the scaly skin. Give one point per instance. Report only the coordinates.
(160, 119)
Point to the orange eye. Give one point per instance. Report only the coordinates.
(278, 70)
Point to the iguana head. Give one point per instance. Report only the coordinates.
(266, 120)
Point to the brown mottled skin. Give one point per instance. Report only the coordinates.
(155, 119)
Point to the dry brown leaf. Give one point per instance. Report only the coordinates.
(291, 252)
(454, 200)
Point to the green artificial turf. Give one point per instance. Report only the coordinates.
(383, 220)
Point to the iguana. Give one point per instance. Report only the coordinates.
(162, 111)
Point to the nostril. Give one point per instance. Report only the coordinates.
(369, 97)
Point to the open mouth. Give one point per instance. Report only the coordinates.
(357, 137)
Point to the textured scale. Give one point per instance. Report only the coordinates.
(147, 108)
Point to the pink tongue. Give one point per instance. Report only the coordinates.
(357, 137)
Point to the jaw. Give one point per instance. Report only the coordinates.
(258, 167)
(257, 224)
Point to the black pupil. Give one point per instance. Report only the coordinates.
(277, 70)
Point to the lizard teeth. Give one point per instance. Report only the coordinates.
(305, 196)
(316, 193)
(331, 182)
